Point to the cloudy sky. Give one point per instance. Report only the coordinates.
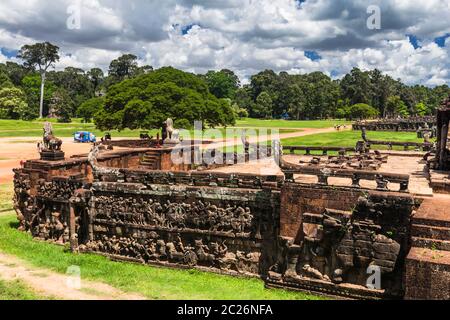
(247, 36)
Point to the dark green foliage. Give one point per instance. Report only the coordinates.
(96, 77)
(31, 85)
(316, 96)
(75, 82)
(5, 81)
(148, 100)
(13, 104)
(307, 96)
(123, 67)
(15, 72)
(89, 108)
(222, 84)
(361, 111)
(61, 106)
(263, 107)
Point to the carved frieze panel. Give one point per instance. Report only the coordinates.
(196, 215)
(175, 249)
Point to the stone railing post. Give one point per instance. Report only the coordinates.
(404, 186)
(289, 176)
(355, 181)
(322, 179)
(381, 182)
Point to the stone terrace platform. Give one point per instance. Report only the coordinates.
(398, 164)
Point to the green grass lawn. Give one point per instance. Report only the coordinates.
(6, 194)
(16, 290)
(349, 138)
(151, 282)
(19, 128)
(316, 124)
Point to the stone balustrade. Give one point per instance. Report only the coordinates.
(406, 145)
(324, 150)
(382, 179)
(193, 178)
(411, 124)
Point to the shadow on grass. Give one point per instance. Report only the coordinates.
(14, 225)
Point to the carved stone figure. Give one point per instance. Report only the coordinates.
(51, 143)
(173, 135)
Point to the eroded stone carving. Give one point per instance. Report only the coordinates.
(338, 247)
(172, 215)
(176, 250)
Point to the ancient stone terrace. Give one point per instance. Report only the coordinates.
(411, 124)
(315, 222)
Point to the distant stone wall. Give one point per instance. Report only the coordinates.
(411, 124)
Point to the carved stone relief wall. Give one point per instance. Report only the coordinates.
(231, 230)
(309, 237)
(340, 248)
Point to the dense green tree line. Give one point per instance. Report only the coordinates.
(133, 96)
(65, 91)
(359, 94)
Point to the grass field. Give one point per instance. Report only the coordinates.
(316, 124)
(18, 128)
(16, 290)
(6, 194)
(349, 138)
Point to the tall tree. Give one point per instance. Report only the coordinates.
(123, 67)
(222, 84)
(61, 106)
(43, 56)
(356, 86)
(31, 85)
(148, 100)
(264, 105)
(12, 103)
(396, 107)
(96, 76)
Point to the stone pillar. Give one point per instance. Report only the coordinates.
(72, 228)
(443, 143)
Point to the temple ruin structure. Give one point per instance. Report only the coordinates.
(349, 222)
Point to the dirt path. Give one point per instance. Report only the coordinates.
(253, 139)
(50, 284)
(17, 149)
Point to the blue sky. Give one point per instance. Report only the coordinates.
(247, 36)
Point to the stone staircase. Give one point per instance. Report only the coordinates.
(151, 160)
(428, 262)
